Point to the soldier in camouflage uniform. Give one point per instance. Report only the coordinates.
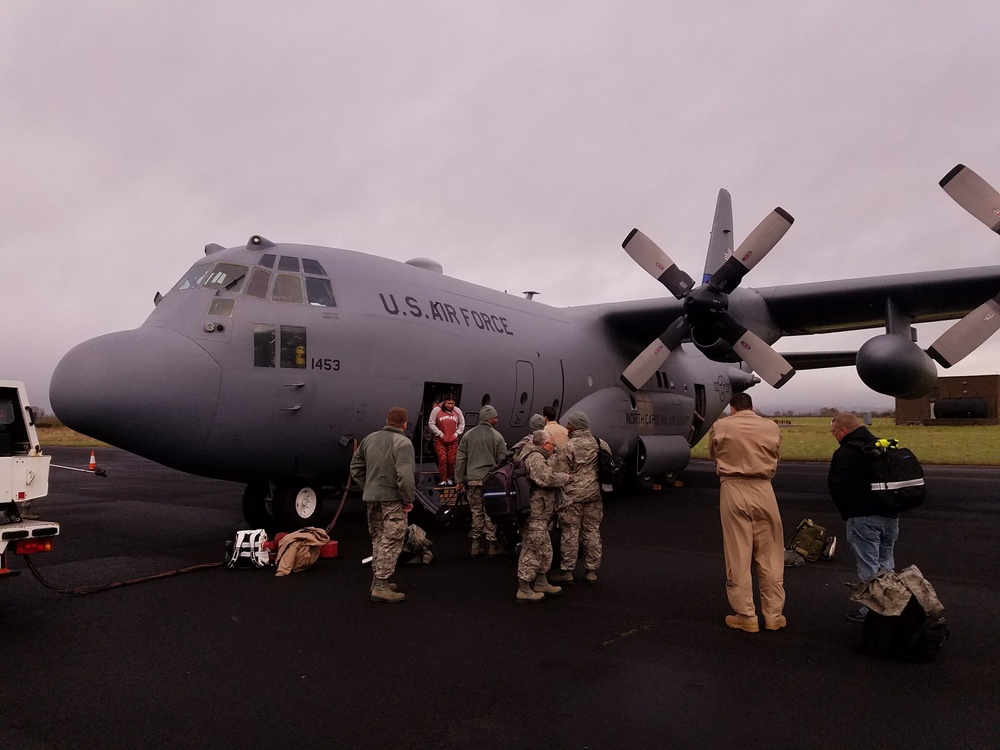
(582, 509)
(383, 466)
(536, 546)
(480, 449)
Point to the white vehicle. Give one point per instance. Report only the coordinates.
(24, 476)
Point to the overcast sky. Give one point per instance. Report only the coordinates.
(517, 143)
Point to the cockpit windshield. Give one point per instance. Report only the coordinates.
(225, 276)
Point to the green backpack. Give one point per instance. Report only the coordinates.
(811, 542)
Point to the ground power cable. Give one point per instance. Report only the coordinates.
(117, 584)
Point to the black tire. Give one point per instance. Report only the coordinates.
(297, 504)
(257, 506)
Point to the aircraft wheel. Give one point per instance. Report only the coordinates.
(258, 506)
(297, 505)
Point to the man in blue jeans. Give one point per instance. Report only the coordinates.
(871, 530)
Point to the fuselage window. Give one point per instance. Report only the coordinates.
(263, 345)
(293, 347)
(222, 306)
(287, 289)
(288, 263)
(226, 276)
(319, 292)
(266, 260)
(312, 266)
(193, 277)
(259, 279)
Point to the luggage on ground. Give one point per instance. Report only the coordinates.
(811, 542)
(905, 617)
(249, 550)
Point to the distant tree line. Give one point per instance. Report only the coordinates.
(831, 411)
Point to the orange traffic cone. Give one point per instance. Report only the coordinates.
(93, 462)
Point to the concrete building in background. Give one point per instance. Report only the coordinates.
(968, 400)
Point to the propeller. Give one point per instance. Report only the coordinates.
(706, 306)
(980, 199)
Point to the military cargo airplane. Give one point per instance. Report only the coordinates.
(266, 362)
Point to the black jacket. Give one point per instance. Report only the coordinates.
(849, 480)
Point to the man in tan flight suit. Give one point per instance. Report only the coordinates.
(746, 449)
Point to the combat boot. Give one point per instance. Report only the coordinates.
(526, 594)
(562, 576)
(382, 592)
(495, 549)
(542, 584)
(476, 550)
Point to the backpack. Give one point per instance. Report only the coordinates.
(897, 478)
(506, 490)
(249, 550)
(912, 635)
(811, 542)
(609, 469)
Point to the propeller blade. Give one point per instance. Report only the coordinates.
(753, 350)
(967, 334)
(752, 250)
(657, 263)
(974, 194)
(641, 369)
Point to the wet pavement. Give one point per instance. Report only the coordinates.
(223, 658)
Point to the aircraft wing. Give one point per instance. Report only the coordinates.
(854, 304)
(636, 322)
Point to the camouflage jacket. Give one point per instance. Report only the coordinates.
(383, 466)
(545, 479)
(480, 449)
(578, 458)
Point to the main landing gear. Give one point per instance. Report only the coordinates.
(283, 504)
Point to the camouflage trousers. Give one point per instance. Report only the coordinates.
(536, 549)
(581, 522)
(481, 523)
(387, 525)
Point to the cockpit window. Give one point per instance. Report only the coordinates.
(259, 279)
(6, 412)
(313, 267)
(287, 288)
(288, 263)
(227, 276)
(266, 260)
(193, 277)
(222, 306)
(319, 292)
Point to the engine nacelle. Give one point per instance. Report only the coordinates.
(662, 454)
(715, 349)
(894, 365)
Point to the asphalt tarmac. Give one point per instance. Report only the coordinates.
(241, 659)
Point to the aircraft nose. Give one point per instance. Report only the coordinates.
(151, 391)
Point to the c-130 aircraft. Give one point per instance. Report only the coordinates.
(266, 362)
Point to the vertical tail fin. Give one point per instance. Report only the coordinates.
(720, 246)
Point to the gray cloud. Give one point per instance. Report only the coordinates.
(535, 133)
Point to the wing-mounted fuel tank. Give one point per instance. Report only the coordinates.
(896, 366)
(653, 426)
